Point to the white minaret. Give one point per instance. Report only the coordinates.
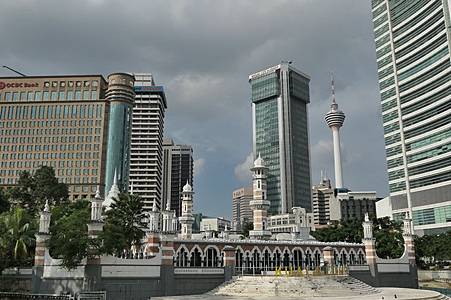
(187, 219)
(259, 203)
(335, 119)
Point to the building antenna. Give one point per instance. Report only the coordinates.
(15, 71)
(332, 86)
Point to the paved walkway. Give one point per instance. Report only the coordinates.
(312, 288)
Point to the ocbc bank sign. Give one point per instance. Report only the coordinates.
(6, 85)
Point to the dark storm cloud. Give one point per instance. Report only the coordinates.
(202, 52)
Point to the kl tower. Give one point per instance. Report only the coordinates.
(335, 119)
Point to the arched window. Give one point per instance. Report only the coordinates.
(196, 259)
(212, 257)
(267, 260)
(297, 259)
(182, 258)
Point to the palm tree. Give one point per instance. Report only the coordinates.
(19, 233)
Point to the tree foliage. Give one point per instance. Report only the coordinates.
(433, 249)
(123, 224)
(4, 201)
(32, 190)
(69, 239)
(388, 234)
(17, 241)
(247, 226)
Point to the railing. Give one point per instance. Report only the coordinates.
(8, 295)
(292, 271)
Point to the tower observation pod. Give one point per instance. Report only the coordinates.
(335, 119)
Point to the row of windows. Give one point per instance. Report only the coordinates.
(390, 116)
(426, 128)
(11, 157)
(384, 29)
(423, 52)
(31, 112)
(49, 96)
(389, 105)
(51, 131)
(395, 162)
(59, 172)
(392, 139)
(428, 114)
(426, 101)
(445, 79)
(430, 139)
(423, 27)
(422, 78)
(49, 147)
(264, 87)
(378, 11)
(391, 127)
(424, 39)
(434, 215)
(383, 51)
(423, 65)
(51, 123)
(396, 187)
(442, 149)
(393, 150)
(386, 83)
(435, 165)
(49, 139)
(382, 41)
(376, 3)
(381, 20)
(405, 9)
(430, 180)
(384, 73)
(393, 175)
(60, 164)
(388, 94)
(422, 16)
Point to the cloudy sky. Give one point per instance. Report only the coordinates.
(202, 51)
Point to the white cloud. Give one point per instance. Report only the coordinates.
(242, 170)
(198, 166)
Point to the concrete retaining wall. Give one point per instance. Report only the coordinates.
(434, 275)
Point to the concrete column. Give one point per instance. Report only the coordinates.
(167, 251)
(153, 244)
(328, 254)
(229, 262)
(337, 157)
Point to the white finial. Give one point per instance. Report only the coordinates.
(131, 188)
(367, 217)
(115, 177)
(322, 175)
(154, 206)
(46, 206)
(97, 196)
(168, 205)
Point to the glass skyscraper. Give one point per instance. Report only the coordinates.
(413, 57)
(280, 96)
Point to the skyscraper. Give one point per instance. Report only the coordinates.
(241, 211)
(321, 198)
(146, 159)
(280, 96)
(178, 167)
(413, 57)
(64, 122)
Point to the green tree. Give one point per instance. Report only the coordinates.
(16, 238)
(433, 250)
(247, 226)
(388, 234)
(32, 191)
(123, 224)
(4, 201)
(69, 239)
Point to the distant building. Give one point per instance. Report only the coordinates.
(384, 208)
(241, 211)
(296, 222)
(321, 197)
(68, 123)
(280, 96)
(197, 219)
(215, 224)
(347, 205)
(178, 165)
(146, 157)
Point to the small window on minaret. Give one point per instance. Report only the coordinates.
(258, 184)
(263, 195)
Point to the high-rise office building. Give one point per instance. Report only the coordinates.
(414, 68)
(146, 159)
(241, 211)
(321, 198)
(178, 165)
(280, 96)
(63, 122)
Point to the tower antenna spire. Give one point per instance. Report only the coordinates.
(332, 87)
